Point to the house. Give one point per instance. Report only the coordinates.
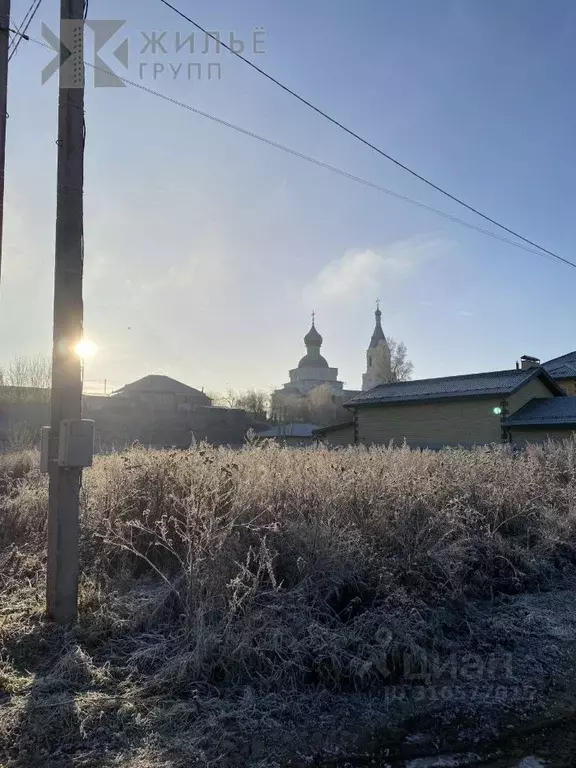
(161, 412)
(475, 409)
(290, 434)
(161, 393)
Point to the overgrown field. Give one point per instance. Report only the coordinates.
(230, 598)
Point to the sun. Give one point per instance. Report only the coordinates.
(85, 349)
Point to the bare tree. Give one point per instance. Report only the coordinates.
(325, 408)
(27, 378)
(289, 408)
(253, 401)
(400, 366)
(223, 399)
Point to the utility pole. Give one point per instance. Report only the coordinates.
(4, 45)
(66, 398)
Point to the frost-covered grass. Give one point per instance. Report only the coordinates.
(227, 592)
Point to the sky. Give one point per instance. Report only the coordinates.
(206, 250)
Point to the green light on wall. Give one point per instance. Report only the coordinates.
(497, 411)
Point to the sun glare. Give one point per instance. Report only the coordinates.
(85, 349)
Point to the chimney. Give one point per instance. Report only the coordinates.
(527, 362)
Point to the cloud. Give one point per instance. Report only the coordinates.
(359, 273)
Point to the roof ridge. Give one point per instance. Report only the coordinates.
(472, 385)
(507, 371)
(152, 379)
(558, 359)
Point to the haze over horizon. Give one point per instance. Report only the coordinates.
(206, 251)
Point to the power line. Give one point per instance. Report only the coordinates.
(25, 26)
(360, 138)
(17, 32)
(319, 163)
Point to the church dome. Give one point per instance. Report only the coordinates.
(313, 338)
(313, 361)
(313, 358)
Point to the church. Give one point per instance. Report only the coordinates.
(528, 404)
(313, 370)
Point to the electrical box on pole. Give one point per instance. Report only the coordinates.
(76, 445)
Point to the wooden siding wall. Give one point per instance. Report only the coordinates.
(533, 389)
(455, 422)
(521, 437)
(340, 437)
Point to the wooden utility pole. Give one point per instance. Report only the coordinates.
(66, 402)
(4, 46)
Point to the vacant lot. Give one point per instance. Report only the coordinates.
(249, 606)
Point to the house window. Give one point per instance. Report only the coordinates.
(369, 361)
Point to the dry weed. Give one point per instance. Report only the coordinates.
(213, 579)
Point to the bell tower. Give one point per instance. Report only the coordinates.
(378, 361)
